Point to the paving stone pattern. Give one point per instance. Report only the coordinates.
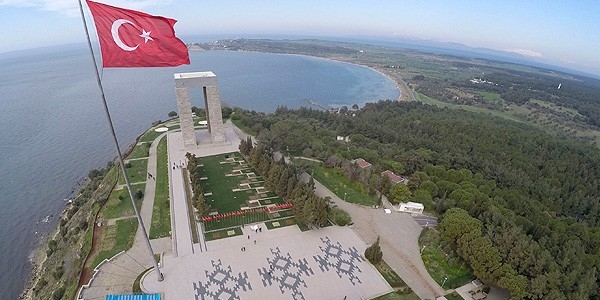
(221, 283)
(342, 261)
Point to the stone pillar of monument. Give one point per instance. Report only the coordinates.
(208, 82)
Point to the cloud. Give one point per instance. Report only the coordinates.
(525, 52)
(71, 8)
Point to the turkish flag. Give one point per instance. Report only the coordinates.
(130, 38)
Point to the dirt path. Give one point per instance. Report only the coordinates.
(87, 272)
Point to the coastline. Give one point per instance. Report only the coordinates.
(37, 255)
(398, 83)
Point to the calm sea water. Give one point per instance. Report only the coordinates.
(54, 129)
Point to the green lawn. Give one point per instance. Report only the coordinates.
(139, 151)
(442, 263)
(221, 234)
(342, 186)
(161, 212)
(492, 97)
(224, 200)
(115, 239)
(138, 172)
(436, 102)
(150, 136)
(281, 223)
(243, 127)
(116, 208)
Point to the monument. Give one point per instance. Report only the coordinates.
(208, 82)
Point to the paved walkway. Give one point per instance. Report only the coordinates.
(118, 275)
(399, 236)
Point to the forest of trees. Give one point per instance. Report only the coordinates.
(532, 199)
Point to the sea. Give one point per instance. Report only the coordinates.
(54, 130)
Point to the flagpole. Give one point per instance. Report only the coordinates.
(120, 156)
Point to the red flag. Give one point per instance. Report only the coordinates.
(130, 38)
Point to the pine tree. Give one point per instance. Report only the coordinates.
(373, 253)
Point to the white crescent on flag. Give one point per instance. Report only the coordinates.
(115, 34)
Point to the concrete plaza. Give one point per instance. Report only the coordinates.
(283, 264)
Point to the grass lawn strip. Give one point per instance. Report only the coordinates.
(231, 186)
(289, 221)
(116, 208)
(115, 239)
(161, 212)
(224, 233)
(340, 185)
(442, 263)
(138, 172)
(140, 150)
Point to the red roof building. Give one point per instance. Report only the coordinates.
(361, 163)
(394, 179)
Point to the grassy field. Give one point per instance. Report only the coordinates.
(139, 151)
(221, 234)
(243, 127)
(281, 223)
(492, 97)
(116, 208)
(223, 199)
(441, 264)
(161, 212)
(149, 136)
(115, 239)
(138, 172)
(432, 101)
(342, 186)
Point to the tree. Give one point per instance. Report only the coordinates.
(355, 106)
(373, 253)
(172, 114)
(226, 112)
(399, 193)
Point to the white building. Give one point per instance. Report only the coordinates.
(411, 207)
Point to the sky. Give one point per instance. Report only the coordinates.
(559, 32)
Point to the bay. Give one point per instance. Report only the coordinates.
(54, 129)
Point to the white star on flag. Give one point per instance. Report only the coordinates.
(146, 35)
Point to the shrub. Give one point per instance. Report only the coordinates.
(339, 216)
(373, 253)
(58, 293)
(139, 194)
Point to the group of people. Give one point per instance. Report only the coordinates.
(256, 229)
